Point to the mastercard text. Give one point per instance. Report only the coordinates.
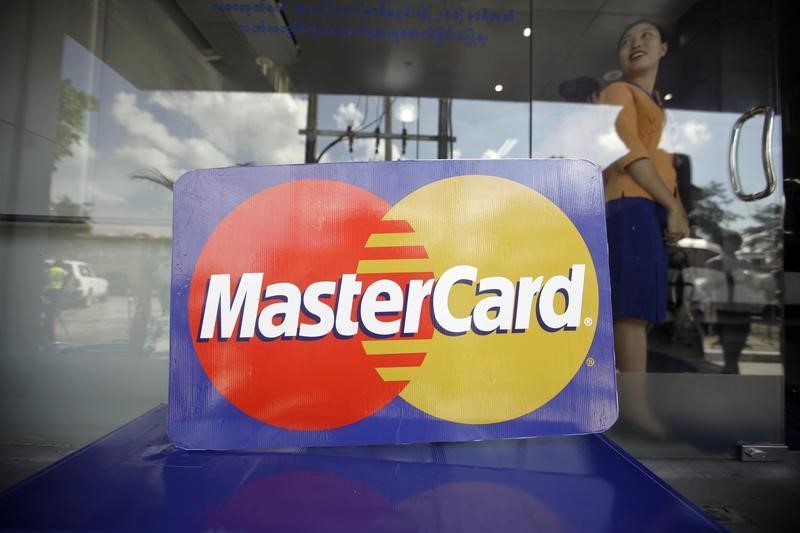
(383, 308)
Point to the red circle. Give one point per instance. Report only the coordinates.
(300, 232)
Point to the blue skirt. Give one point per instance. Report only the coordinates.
(637, 258)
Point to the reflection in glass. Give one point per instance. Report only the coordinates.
(110, 102)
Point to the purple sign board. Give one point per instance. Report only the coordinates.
(387, 303)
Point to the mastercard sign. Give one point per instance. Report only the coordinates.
(369, 303)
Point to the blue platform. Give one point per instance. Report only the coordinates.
(133, 479)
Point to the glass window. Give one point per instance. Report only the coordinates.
(106, 104)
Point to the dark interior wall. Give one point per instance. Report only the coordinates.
(726, 56)
(173, 48)
(33, 32)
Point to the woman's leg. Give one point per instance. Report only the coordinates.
(630, 344)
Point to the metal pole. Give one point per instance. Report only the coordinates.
(311, 129)
(443, 133)
(530, 80)
(387, 109)
(418, 115)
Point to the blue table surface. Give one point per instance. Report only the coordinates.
(133, 479)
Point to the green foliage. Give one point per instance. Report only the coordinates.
(65, 207)
(72, 108)
(153, 175)
(75, 216)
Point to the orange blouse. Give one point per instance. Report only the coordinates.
(639, 125)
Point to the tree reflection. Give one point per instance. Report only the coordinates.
(763, 241)
(709, 214)
(153, 175)
(72, 108)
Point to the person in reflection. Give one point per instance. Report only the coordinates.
(733, 321)
(643, 210)
(56, 278)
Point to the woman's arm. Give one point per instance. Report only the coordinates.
(643, 172)
(637, 163)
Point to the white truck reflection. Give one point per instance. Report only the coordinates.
(83, 287)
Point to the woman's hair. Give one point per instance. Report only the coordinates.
(641, 21)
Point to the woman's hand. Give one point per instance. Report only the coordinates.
(644, 174)
(677, 225)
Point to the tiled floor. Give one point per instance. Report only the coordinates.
(744, 497)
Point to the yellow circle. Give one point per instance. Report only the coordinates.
(504, 229)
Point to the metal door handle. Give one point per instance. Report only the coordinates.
(766, 154)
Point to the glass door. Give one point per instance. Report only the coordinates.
(713, 365)
(109, 102)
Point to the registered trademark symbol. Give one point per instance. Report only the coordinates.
(587, 321)
(590, 361)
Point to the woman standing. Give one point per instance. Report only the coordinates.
(643, 210)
